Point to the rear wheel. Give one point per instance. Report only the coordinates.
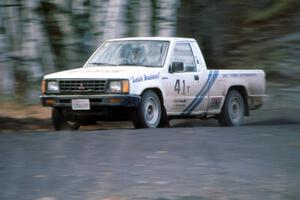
(233, 110)
(149, 112)
(60, 122)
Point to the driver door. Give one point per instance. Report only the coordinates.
(183, 82)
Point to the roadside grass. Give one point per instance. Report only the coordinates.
(297, 145)
(16, 116)
(19, 116)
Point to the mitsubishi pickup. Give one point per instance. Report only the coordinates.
(149, 81)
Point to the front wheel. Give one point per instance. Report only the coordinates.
(233, 110)
(60, 122)
(149, 112)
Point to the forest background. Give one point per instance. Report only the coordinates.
(43, 36)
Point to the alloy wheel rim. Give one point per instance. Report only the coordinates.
(151, 111)
(235, 109)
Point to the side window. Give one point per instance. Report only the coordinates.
(183, 54)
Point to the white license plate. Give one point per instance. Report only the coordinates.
(81, 104)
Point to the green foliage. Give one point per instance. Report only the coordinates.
(44, 36)
(275, 9)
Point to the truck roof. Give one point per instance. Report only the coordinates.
(171, 39)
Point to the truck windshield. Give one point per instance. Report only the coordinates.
(131, 53)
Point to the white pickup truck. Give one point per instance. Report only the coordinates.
(149, 81)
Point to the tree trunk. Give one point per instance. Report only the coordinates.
(11, 47)
(144, 19)
(167, 14)
(115, 24)
(7, 78)
(31, 39)
(98, 12)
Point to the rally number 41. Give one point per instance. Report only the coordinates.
(180, 86)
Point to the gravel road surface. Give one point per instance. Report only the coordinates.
(192, 160)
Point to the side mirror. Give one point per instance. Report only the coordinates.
(176, 67)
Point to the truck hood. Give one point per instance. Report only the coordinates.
(105, 72)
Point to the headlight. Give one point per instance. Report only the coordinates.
(115, 86)
(120, 86)
(52, 86)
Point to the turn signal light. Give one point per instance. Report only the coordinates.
(50, 102)
(125, 86)
(115, 100)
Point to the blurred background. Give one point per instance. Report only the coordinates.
(43, 36)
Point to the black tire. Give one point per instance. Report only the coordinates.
(164, 121)
(233, 110)
(149, 112)
(61, 123)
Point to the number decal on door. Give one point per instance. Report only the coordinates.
(177, 87)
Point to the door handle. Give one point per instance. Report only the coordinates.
(196, 77)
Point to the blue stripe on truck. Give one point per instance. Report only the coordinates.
(212, 76)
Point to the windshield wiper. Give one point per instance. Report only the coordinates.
(98, 63)
(137, 65)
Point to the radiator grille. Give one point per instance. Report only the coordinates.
(82, 86)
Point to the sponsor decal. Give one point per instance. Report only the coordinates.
(136, 79)
(145, 77)
(239, 75)
(180, 103)
(151, 77)
(215, 103)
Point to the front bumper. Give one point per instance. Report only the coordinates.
(95, 100)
